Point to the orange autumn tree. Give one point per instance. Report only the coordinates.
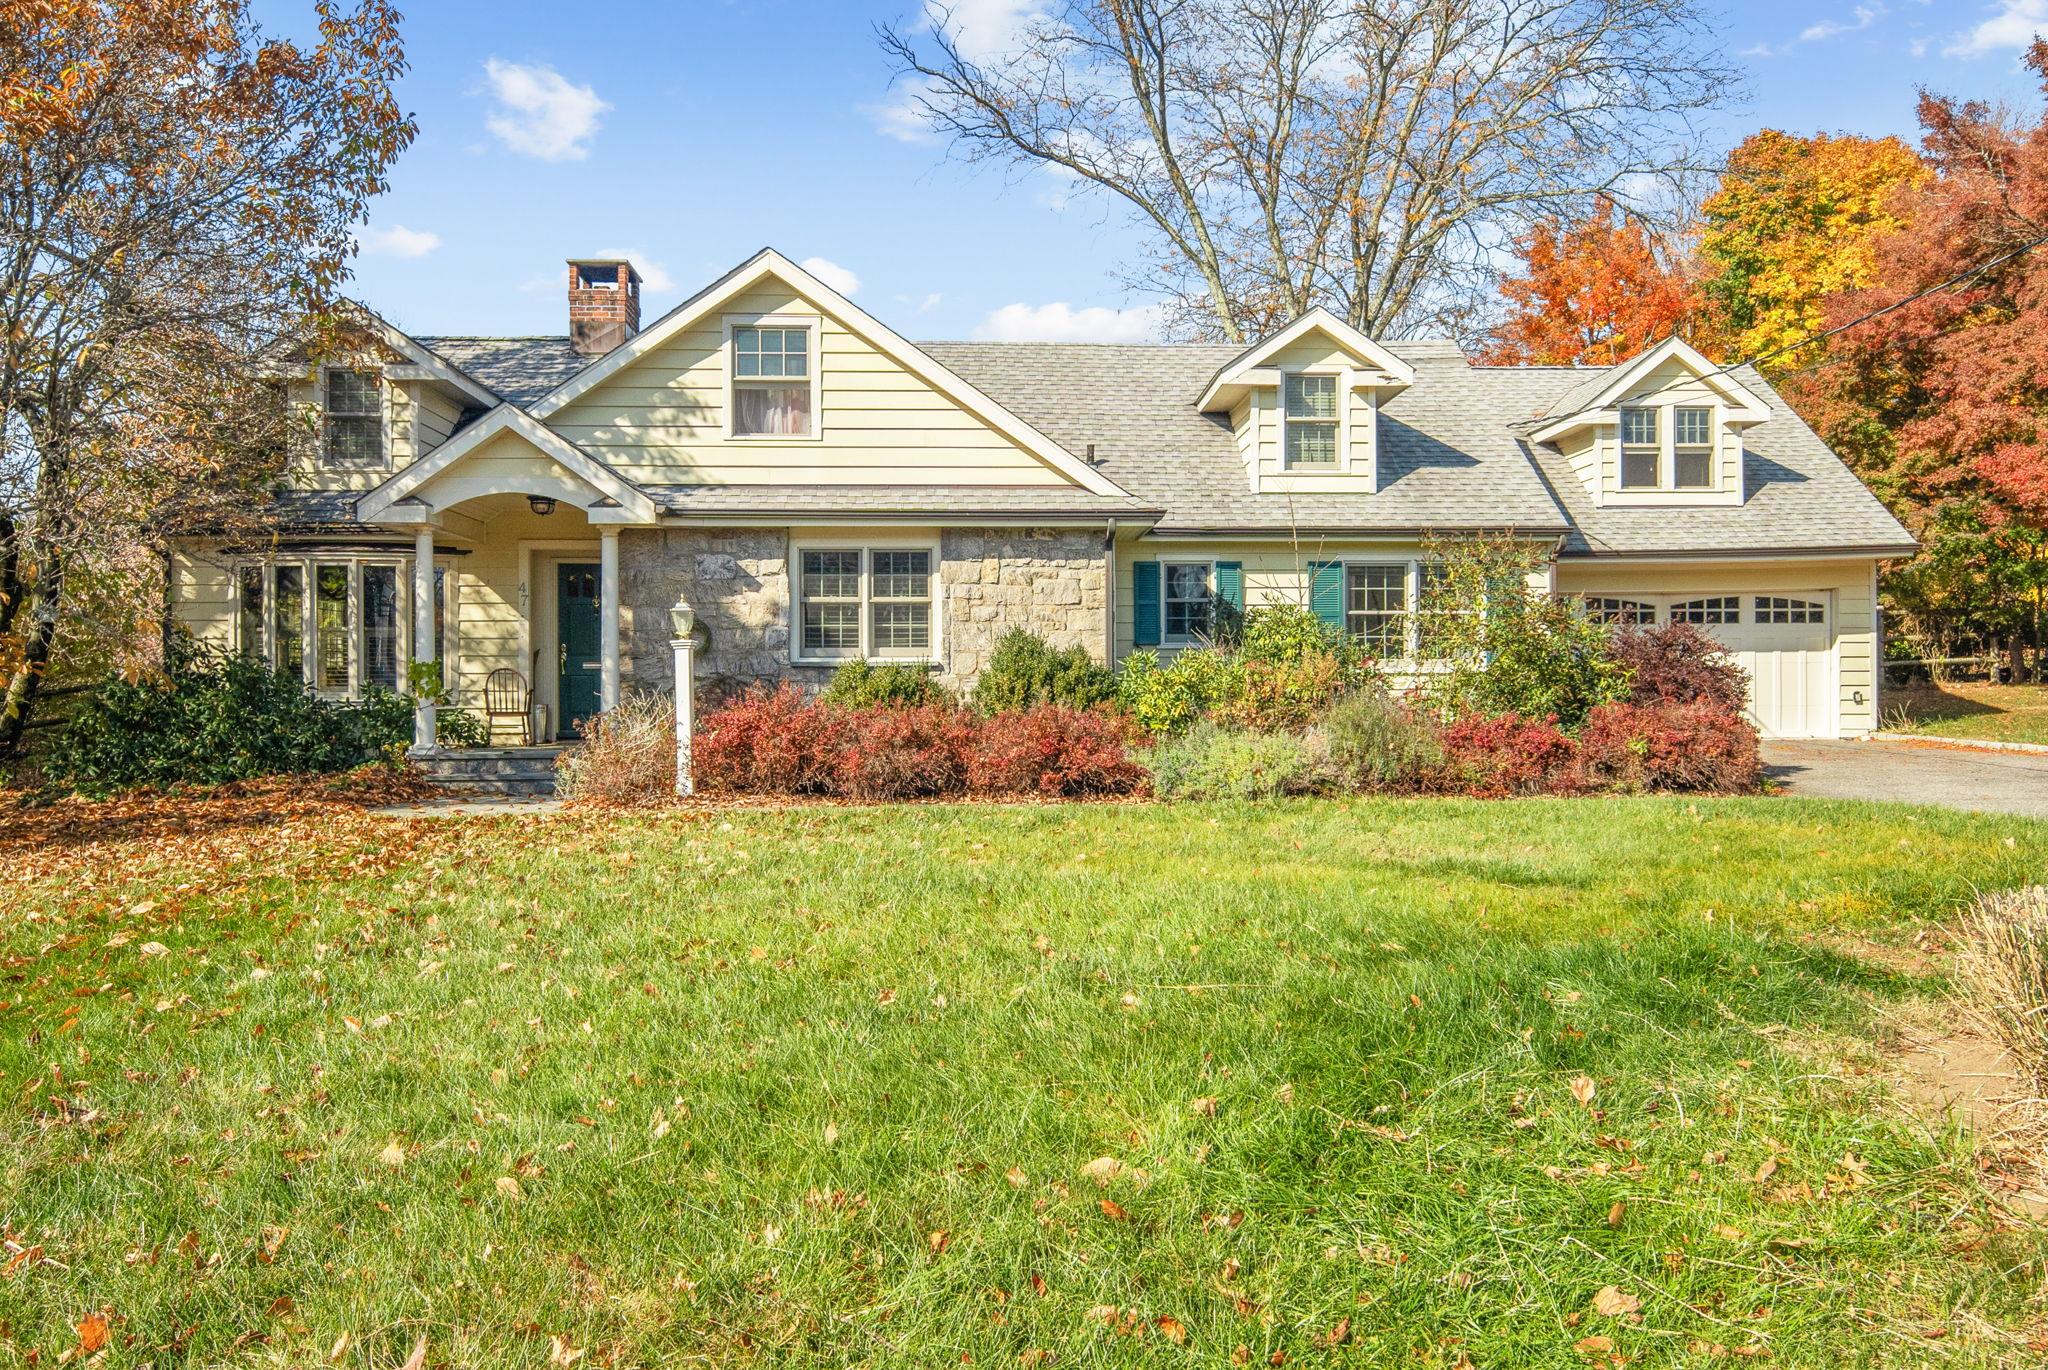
(179, 190)
(1795, 222)
(1594, 291)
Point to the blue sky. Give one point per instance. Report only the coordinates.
(688, 133)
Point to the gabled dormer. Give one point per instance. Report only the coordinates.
(1304, 405)
(1665, 429)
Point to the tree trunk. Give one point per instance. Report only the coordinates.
(40, 636)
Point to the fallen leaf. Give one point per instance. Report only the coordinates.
(831, 1133)
(1583, 1090)
(1170, 1328)
(1611, 1302)
(1114, 1211)
(939, 1241)
(886, 998)
(1590, 1346)
(1614, 1214)
(1017, 1178)
(509, 1187)
(154, 949)
(1285, 1094)
(1766, 1170)
(393, 1155)
(1204, 1107)
(338, 1350)
(560, 1352)
(1103, 1313)
(1339, 1334)
(418, 1358)
(1729, 1234)
(1103, 1169)
(92, 1333)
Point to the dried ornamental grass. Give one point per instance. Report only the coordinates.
(629, 756)
(2002, 972)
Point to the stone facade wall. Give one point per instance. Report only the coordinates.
(1052, 582)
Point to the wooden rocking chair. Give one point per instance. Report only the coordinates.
(506, 696)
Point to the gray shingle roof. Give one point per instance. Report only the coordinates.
(520, 369)
(1453, 453)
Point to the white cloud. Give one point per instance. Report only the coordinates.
(1866, 15)
(654, 277)
(540, 113)
(1061, 322)
(832, 274)
(397, 241)
(902, 118)
(2014, 26)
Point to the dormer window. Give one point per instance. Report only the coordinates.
(1640, 449)
(771, 382)
(1692, 452)
(353, 418)
(1312, 426)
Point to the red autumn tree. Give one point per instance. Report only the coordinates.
(1596, 290)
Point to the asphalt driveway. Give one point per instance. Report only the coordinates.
(1954, 777)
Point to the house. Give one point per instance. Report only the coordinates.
(820, 490)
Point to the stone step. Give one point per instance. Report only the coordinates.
(493, 770)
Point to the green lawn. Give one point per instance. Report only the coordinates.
(827, 1087)
(1997, 713)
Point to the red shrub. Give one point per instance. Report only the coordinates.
(1694, 748)
(768, 743)
(1676, 663)
(1054, 751)
(901, 751)
(1493, 758)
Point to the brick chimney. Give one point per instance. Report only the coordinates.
(604, 305)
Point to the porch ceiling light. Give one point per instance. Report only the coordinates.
(542, 505)
(683, 619)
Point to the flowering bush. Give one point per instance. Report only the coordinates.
(1167, 699)
(1495, 758)
(1056, 752)
(900, 751)
(1685, 748)
(768, 742)
(1276, 696)
(1676, 663)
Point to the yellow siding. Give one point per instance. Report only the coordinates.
(1851, 585)
(202, 595)
(1672, 384)
(662, 420)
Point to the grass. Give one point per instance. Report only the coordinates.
(1995, 713)
(824, 1087)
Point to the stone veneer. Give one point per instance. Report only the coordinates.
(1050, 581)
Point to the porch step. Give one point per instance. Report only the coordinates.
(522, 771)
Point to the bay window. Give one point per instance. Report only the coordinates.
(771, 382)
(338, 621)
(861, 603)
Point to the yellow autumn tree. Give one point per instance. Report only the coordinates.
(1793, 223)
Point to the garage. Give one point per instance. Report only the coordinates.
(1785, 641)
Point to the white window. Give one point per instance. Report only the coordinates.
(857, 602)
(1621, 613)
(1436, 613)
(1713, 610)
(771, 381)
(1190, 601)
(353, 418)
(1376, 607)
(1312, 425)
(1781, 609)
(340, 622)
(1692, 452)
(1640, 449)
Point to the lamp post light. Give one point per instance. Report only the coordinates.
(683, 621)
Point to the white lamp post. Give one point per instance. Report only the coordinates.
(683, 619)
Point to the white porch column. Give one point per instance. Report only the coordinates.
(608, 617)
(686, 704)
(424, 646)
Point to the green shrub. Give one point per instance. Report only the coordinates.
(1171, 698)
(1208, 762)
(1512, 648)
(455, 727)
(1376, 742)
(1025, 671)
(1284, 634)
(211, 719)
(858, 685)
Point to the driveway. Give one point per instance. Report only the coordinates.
(1954, 777)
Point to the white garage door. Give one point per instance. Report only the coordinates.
(1786, 643)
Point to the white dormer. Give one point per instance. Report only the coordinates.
(1304, 405)
(1662, 430)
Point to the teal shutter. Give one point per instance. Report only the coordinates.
(1326, 592)
(1145, 603)
(1230, 584)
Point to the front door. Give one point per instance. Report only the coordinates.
(576, 627)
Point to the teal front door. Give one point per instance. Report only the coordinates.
(576, 625)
